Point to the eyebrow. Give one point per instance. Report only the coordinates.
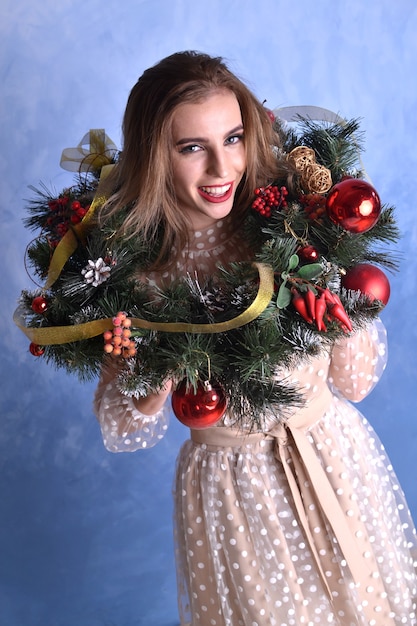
(204, 139)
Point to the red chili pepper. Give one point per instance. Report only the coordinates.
(336, 298)
(300, 305)
(310, 299)
(338, 312)
(329, 296)
(320, 311)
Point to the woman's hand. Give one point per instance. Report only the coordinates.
(152, 403)
(148, 405)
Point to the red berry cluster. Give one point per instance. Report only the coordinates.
(268, 198)
(118, 342)
(314, 205)
(62, 212)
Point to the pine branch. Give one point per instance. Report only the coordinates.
(337, 146)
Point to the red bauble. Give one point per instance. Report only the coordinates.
(35, 349)
(270, 114)
(39, 304)
(201, 409)
(354, 205)
(308, 253)
(369, 280)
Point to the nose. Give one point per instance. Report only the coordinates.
(218, 163)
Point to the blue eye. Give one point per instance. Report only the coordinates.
(234, 139)
(189, 149)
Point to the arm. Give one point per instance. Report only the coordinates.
(358, 361)
(128, 424)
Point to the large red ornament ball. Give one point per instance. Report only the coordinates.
(354, 205)
(39, 304)
(369, 280)
(201, 409)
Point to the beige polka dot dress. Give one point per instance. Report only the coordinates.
(302, 523)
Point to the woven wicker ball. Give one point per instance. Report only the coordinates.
(316, 179)
(301, 157)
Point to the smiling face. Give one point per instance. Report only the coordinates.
(209, 158)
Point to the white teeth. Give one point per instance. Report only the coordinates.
(216, 191)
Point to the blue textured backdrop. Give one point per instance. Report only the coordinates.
(85, 536)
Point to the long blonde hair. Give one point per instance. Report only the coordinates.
(142, 180)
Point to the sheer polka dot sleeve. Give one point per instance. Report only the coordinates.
(124, 428)
(358, 361)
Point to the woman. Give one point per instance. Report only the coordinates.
(302, 522)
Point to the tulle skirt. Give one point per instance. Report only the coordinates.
(246, 558)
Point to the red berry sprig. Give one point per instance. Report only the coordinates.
(63, 212)
(118, 342)
(314, 205)
(78, 212)
(269, 198)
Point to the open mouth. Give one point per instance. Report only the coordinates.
(216, 193)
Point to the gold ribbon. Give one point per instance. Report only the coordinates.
(54, 335)
(101, 151)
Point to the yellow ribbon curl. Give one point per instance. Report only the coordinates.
(101, 152)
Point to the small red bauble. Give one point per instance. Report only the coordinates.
(354, 205)
(270, 114)
(369, 280)
(35, 349)
(201, 409)
(308, 253)
(39, 304)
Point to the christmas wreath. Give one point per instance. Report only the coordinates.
(315, 278)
